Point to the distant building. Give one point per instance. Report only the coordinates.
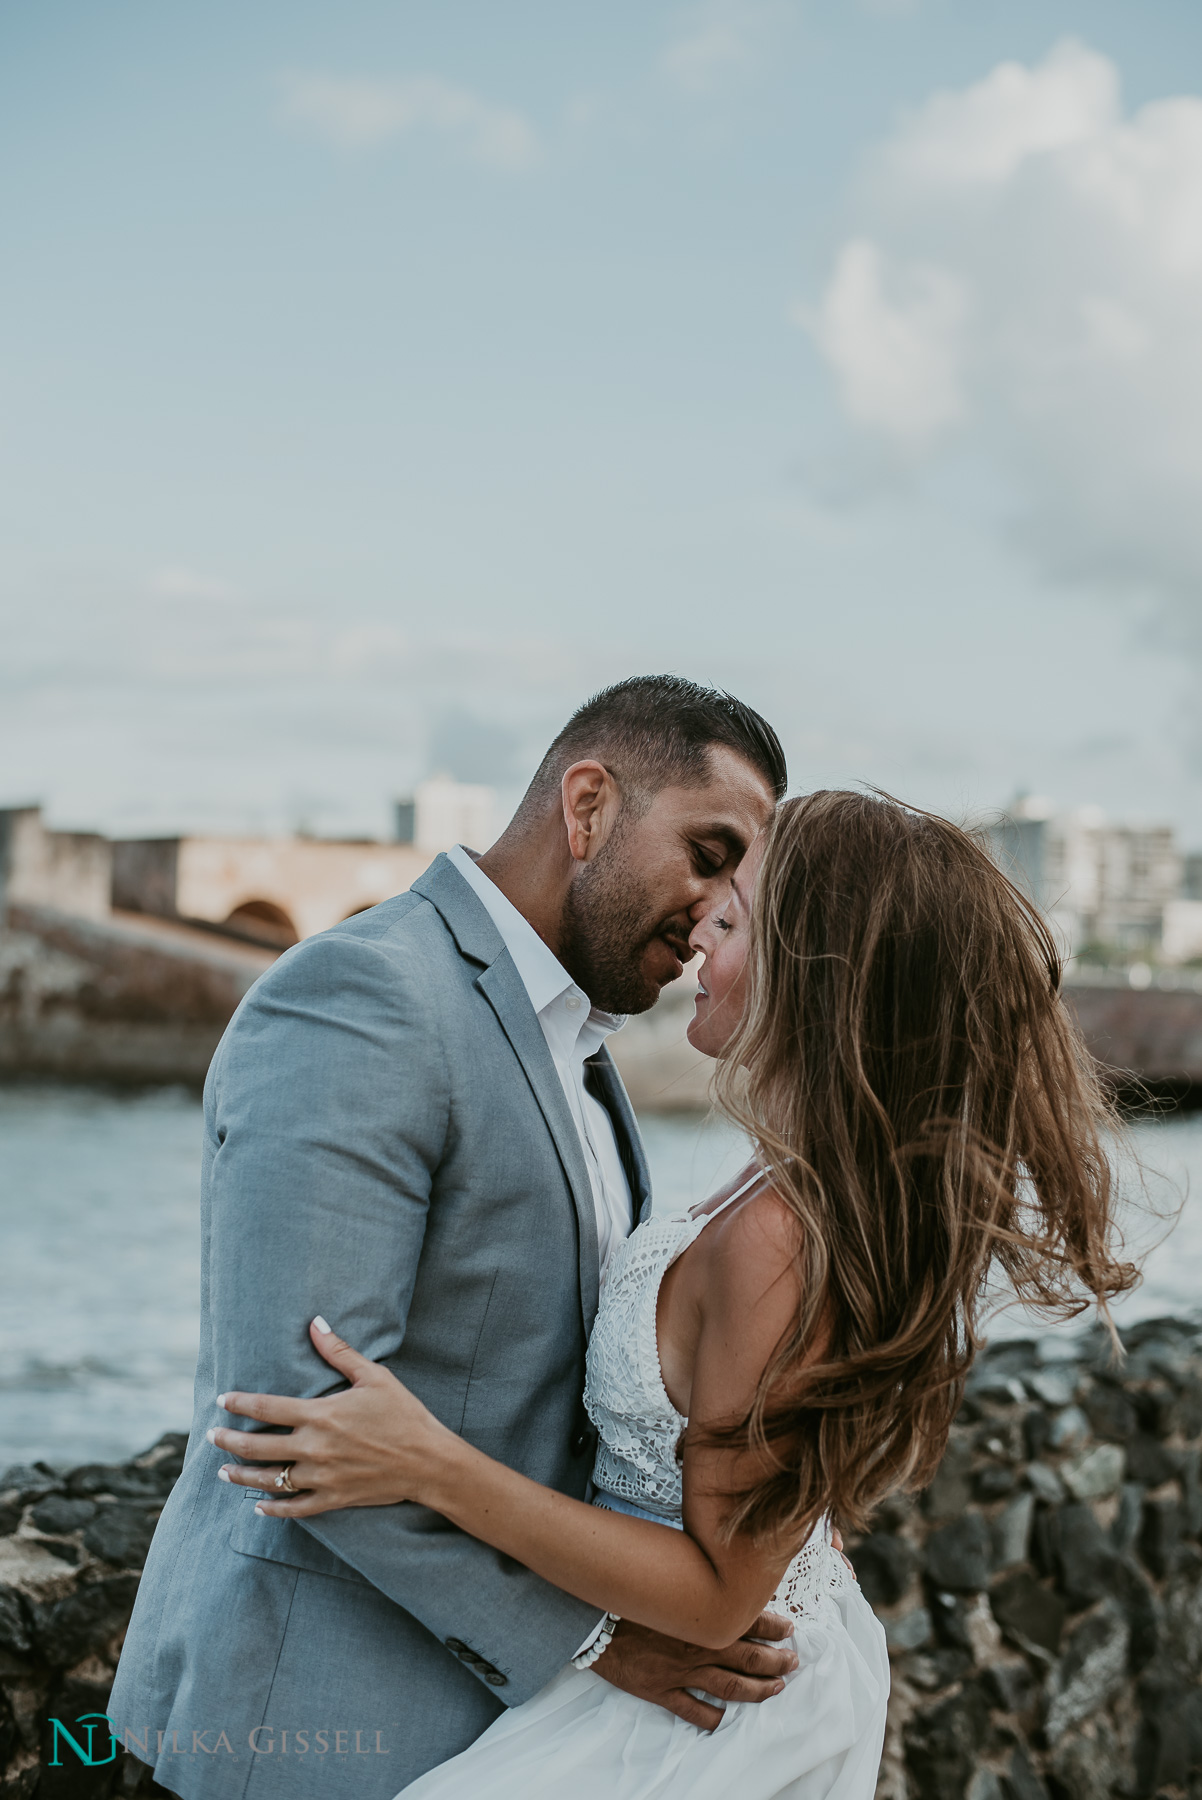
(268, 891)
(443, 812)
(1104, 887)
(66, 871)
(271, 891)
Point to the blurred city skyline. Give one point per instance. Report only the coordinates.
(380, 382)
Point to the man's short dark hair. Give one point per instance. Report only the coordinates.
(655, 731)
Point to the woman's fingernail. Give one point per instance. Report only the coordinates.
(221, 1400)
(223, 1474)
(321, 1325)
(779, 1688)
(211, 1434)
(261, 1513)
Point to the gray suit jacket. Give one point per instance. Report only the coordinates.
(387, 1143)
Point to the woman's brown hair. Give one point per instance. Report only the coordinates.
(929, 1111)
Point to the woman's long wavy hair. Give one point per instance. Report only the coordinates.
(908, 1070)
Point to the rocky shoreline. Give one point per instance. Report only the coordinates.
(1042, 1599)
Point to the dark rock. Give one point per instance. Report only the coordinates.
(1158, 1409)
(123, 1481)
(1069, 1429)
(947, 1496)
(121, 1534)
(1019, 1779)
(1111, 1413)
(59, 1514)
(1037, 1429)
(65, 1551)
(1189, 1407)
(1055, 1386)
(1091, 1671)
(1011, 1532)
(1124, 1533)
(943, 1746)
(1160, 1535)
(11, 1508)
(1133, 1592)
(1089, 1764)
(884, 1565)
(67, 1630)
(10, 1740)
(1182, 1623)
(1001, 1439)
(1044, 1483)
(1149, 1461)
(1084, 1559)
(957, 1555)
(30, 1480)
(1014, 1356)
(1168, 1745)
(993, 1482)
(1031, 1616)
(1190, 1462)
(949, 1616)
(1009, 1686)
(14, 1622)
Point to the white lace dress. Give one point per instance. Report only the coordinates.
(581, 1738)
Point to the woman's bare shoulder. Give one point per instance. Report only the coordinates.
(753, 1249)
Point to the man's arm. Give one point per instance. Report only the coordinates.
(328, 1109)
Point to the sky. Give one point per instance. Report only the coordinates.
(378, 381)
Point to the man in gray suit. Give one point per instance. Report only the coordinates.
(413, 1127)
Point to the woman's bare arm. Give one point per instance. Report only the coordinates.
(375, 1444)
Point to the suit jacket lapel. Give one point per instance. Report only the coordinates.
(505, 992)
(603, 1080)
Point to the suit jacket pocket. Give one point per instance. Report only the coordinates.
(284, 1541)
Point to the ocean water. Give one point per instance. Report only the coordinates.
(99, 1254)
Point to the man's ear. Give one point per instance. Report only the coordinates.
(591, 804)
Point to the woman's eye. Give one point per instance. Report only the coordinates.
(722, 924)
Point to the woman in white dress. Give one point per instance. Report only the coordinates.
(885, 1011)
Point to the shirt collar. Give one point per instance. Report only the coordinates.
(543, 975)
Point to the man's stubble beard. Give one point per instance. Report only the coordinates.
(606, 925)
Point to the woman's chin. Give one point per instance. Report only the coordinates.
(698, 1037)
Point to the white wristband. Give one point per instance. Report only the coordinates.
(600, 1643)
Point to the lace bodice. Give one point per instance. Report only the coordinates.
(638, 1426)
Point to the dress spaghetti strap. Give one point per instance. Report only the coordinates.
(730, 1199)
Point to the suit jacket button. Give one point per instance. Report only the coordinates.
(496, 1679)
(580, 1443)
(455, 1644)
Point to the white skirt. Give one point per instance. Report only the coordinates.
(579, 1738)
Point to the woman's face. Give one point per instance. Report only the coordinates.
(723, 938)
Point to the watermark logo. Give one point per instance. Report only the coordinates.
(86, 1723)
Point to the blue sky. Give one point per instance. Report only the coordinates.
(379, 380)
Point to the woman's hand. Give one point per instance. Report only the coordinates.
(370, 1445)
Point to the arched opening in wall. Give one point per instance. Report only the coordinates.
(263, 922)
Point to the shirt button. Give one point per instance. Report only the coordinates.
(572, 1003)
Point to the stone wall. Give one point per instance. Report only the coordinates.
(1042, 1599)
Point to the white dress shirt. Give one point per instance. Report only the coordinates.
(574, 1029)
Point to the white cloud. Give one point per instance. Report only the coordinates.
(717, 39)
(1025, 281)
(984, 132)
(896, 357)
(356, 114)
